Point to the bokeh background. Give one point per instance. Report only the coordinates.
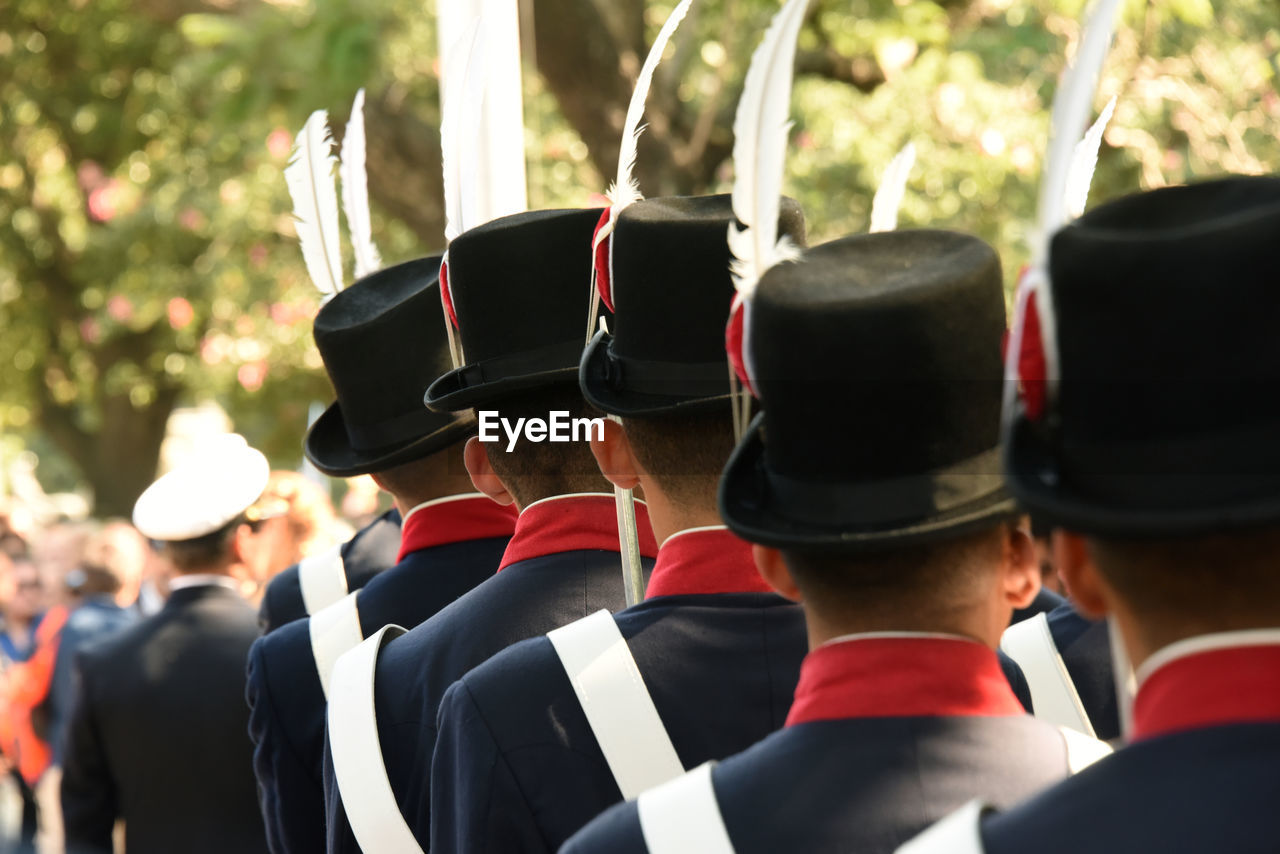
(148, 261)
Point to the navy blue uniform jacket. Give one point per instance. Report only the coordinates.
(459, 545)
(885, 737)
(157, 735)
(517, 767)
(561, 565)
(1202, 774)
(1085, 648)
(370, 551)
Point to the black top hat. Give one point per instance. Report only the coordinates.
(671, 297)
(520, 287)
(1166, 415)
(383, 342)
(877, 362)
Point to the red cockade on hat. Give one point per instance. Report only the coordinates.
(445, 296)
(1032, 365)
(600, 257)
(735, 339)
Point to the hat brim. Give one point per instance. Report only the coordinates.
(1032, 472)
(329, 449)
(754, 515)
(593, 377)
(451, 393)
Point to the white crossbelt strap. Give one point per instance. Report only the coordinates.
(323, 579)
(1054, 695)
(682, 816)
(1082, 750)
(370, 804)
(334, 630)
(958, 833)
(617, 704)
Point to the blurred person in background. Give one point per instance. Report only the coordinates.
(118, 547)
(91, 592)
(58, 549)
(1042, 530)
(22, 606)
(25, 708)
(157, 736)
(293, 519)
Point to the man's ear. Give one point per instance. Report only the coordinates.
(615, 457)
(1079, 572)
(1021, 579)
(476, 458)
(774, 570)
(242, 542)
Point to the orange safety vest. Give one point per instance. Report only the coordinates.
(25, 686)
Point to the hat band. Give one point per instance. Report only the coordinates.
(410, 425)
(873, 504)
(554, 357)
(687, 379)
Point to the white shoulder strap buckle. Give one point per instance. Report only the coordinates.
(366, 792)
(958, 833)
(334, 629)
(682, 816)
(323, 579)
(1030, 644)
(617, 704)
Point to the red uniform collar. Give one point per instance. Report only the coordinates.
(1207, 681)
(454, 519)
(568, 523)
(704, 560)
(888, 675)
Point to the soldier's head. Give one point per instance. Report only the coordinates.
(969, 585)
(661, 368)
(198, 510)
(516, 294)
(383, 342)
(1153, 449)
(509, 466)
(874, 465)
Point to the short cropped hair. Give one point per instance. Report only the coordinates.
(685, 454)
(203, 552)
(1230, 574)
(926, 578)
(532, 471)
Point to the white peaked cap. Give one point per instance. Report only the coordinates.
(222, 479)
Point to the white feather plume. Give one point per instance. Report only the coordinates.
(1071, 107)
(1084, 160)
(893, 186)
(310, 178)
(626, 189)
(460, 118)
(355, 192)
(759, 152)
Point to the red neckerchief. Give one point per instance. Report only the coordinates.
(1216, 687)
(704, 561)
(455, 519)
(874, 676)
(570, 523)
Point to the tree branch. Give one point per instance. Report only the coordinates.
(861, 72)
